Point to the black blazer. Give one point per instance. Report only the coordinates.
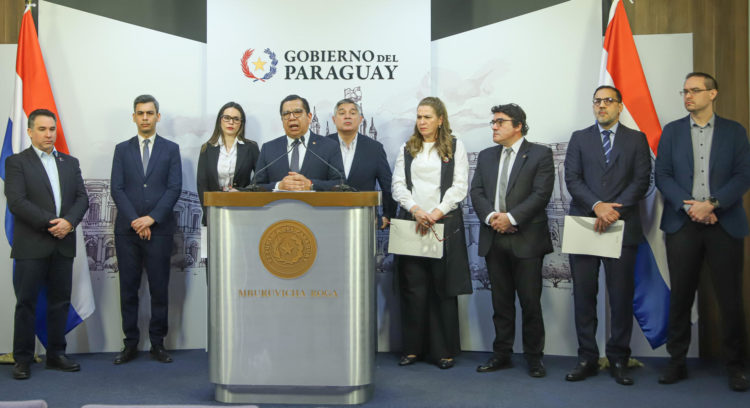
(208, 176)
(530, 186)
(624, 180)
(322, 176)
(370, 164)
(30, 200)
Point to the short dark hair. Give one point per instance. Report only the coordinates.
(294, 97)
(617, 91)
(709, 81)
(515, 113)
(40, 112)
(145, 99)
(346, 100)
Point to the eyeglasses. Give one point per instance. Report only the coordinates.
(607, 101)
(286, 115)
(227, 118)
(693, 91)
(499, 121)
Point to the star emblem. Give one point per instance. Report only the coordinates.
(259, 64)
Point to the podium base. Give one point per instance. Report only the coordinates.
(293, 394)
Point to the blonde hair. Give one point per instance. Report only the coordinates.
(444, 139)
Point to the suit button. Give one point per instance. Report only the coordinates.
(145, 185)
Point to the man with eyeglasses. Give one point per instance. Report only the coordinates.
(146, 183)
(284, 163)
(511, 187)
(607, 172)
(703, 170)
(364, 158)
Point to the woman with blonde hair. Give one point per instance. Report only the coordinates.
(430, 180)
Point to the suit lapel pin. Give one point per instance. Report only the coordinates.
(315, 142)
(523, 157)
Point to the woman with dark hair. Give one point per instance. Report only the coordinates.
(430, 180)
(227, 160)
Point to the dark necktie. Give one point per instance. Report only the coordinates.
(146, 155)
(503, 184)
(606, 144)
(294, 165)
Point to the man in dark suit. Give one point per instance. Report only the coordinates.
(510, 190)
(146, 183)
(284, 163)
(607, 172)
(363, 158)
(703, 170)
(46, 196)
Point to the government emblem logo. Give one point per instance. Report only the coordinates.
(263, 68)
(288, 249)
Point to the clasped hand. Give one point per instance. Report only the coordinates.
(500, 222)
(60, 228)
(295, 182)
(701, 211)
(606, 215)
(142, 226)
(426, 220)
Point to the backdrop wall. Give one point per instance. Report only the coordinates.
(98, 65)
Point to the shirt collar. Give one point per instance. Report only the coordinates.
(516, 146)
(290, 140)
(220, 141)
(351, 145)
(710, 122)
(41, 154)
(613, 129)
(141, 139)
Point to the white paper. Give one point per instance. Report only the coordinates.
(404, 240)
(580, 238)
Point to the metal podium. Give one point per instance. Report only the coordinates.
(291, 296)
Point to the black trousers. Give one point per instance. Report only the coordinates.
(133, 254)
(510, 275)
(56, 271)
(620, 287)
(429, 322)
(686, 250)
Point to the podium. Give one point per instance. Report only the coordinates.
(292, 296)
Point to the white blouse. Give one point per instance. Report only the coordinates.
(226, 164)
(425, 177)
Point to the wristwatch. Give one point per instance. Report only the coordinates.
(713, 201)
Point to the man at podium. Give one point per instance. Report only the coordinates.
(300, 160)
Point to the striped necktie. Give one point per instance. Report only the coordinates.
(606, 144)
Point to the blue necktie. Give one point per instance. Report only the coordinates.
(606, 144)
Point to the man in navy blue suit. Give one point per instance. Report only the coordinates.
(364, 158)
(146, 183)
(284, 162)
(703, 170)
(607, 172)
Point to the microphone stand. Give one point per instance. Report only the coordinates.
(342, 186)
(255, 187)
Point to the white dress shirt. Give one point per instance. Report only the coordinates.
(302, 149)
(425, 177)
(48, 161)
(347, 153)
(152, 139)
(227, 162)
(511, 159)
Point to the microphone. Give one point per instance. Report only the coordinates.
(255, 187)
(339, 187)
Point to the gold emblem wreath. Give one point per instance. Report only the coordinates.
(288, 249)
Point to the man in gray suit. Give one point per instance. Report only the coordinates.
(607, 171)
(510, 190)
